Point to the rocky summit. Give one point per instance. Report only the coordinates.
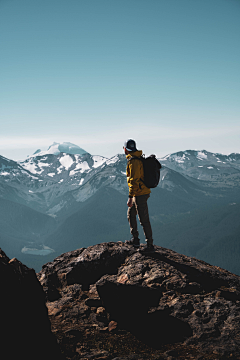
(110, 301)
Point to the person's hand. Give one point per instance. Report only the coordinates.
(130, 202)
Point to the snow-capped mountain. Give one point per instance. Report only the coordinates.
(57, 180)
(203, 164)
(42, 180)
(57, 148)
(63, 167)
(85, 194)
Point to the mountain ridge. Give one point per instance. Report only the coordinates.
(72, 188)
(197, 163)
(48, 177)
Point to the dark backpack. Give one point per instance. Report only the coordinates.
(151, 168)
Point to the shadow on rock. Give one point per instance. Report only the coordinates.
(158, 328)
(129, 306)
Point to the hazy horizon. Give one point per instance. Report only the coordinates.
(17, 158)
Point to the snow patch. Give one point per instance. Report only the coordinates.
(98, 161)
(51, 174)
(82, 167)
(201, 156)
(41, 166)
(180, 159)
(113, 160)
(165, 157)
(30, 167)
(66, 161)
(59, 169)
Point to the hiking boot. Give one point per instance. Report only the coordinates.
(133, 241)
(147, 249)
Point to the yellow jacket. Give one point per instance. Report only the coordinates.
(134, 175)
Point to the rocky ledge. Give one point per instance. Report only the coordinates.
(109, 301)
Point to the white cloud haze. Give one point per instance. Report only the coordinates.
(160, 140)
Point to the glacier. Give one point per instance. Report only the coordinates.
(57, 148)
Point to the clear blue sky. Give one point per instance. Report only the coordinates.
(96, 72)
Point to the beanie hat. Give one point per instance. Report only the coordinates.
(130, 145)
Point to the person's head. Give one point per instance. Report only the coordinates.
(129, 146)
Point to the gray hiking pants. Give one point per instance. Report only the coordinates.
(140, 208)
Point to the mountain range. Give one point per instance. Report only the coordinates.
(65, 198)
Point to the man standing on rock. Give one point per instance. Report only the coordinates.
(138, 196)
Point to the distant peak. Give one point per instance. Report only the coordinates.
(64, 147)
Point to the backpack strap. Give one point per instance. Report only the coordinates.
(136, 157)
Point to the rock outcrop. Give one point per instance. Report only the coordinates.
(109, 301)
(25, 326)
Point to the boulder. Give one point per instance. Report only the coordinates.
(112, 298)
(26, 329)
